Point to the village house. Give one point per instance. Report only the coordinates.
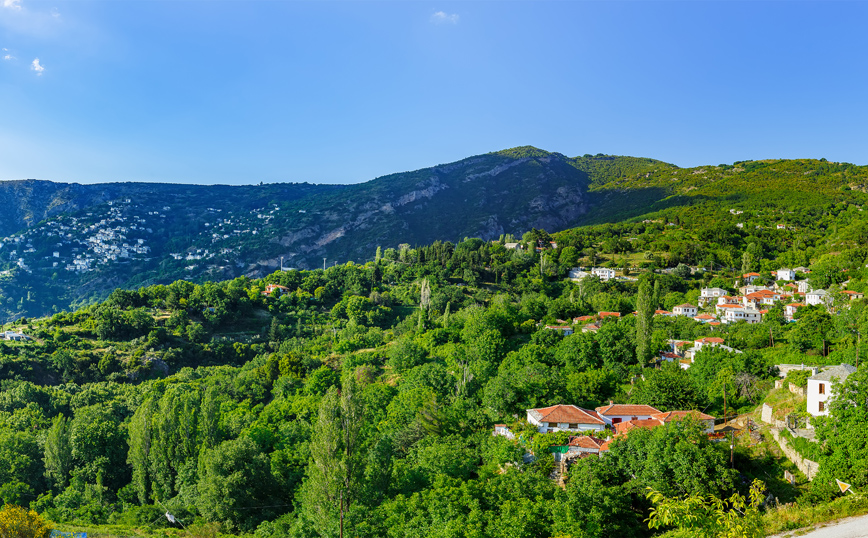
(615, 413)
(565, 418)
(785, 274)
(271, 288)
(710, 295)
(853, 295)
(566, 330)
(14, 336)
(748, 278)
(685, 309)
(761, 297)
(820, 388)
(818, 297)
(605, 274)
(746, 314)
(577, 446)
(790, 310)
(804, 286)
(730, 299)
(664, 313)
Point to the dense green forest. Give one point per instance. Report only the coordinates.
(366, 394)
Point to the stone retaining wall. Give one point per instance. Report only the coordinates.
(805, 465)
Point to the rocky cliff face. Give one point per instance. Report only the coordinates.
(482, 197)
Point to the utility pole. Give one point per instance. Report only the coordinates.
(323, 264)
(342, 514)
(281, 263)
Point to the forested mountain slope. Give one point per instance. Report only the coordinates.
(75, 243)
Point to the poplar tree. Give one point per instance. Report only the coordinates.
(644, 318)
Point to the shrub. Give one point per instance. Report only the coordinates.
(17, 522)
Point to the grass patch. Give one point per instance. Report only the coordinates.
(785, 402)
(792, 516)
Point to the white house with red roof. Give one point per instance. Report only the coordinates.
(853, 295)
(749, 277)
(790, 310)
(566, 330)
(708, 341)
(615, 413)
(557, 418)
(761, 297)
(704, 318)
(271, 288)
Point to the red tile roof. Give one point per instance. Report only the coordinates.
(585, 441)
(626, 409)
(568, 414)
(608, 314)
(710, 340)
(623, 427)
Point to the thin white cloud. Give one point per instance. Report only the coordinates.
(55, 13)
(442, 17)
(8, 57)
(12, 4)
(36, 66)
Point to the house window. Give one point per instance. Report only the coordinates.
(616, 420)
(822, 406)
(574, 426)
(822, 389)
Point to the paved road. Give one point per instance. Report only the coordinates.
(851, 527)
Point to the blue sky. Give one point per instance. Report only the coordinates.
(342, 92)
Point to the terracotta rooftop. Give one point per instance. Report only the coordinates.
(623, 427)
(585, 441)
(626, 409)
(710, 340)
(568, 414)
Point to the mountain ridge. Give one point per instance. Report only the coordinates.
(69, 244)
